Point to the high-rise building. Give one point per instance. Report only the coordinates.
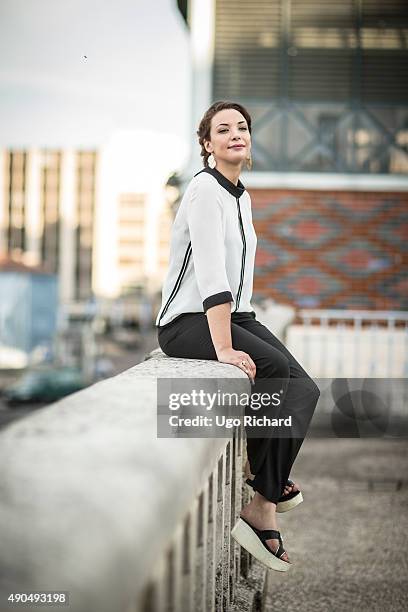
(47, 204)
(87, 216)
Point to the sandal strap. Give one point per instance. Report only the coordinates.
(270, 534)
(264, 534)
(291, 495)
(284, 497)
(288, 496)
(280, 552)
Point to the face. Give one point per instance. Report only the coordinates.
(229, 129)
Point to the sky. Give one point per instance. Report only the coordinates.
(73, 72)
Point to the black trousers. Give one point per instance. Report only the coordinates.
(270, 458)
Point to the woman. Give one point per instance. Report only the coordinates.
(206, 313)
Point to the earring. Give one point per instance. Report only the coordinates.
(248, 161)
(211, 161)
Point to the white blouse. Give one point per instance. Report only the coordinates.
(212, 249)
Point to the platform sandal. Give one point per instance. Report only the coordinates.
(285, 502)
(253, 540)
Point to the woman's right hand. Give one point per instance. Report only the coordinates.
(230, 355)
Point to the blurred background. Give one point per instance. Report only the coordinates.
(97, 143)
(99, 106)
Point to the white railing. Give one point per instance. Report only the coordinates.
(351, 343)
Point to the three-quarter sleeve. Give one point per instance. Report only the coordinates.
(204, 216)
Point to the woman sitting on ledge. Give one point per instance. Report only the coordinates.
(206, 313)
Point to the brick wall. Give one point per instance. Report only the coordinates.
(331, 249)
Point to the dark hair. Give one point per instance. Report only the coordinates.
(204, 128)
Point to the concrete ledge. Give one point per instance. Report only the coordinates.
(89, 497)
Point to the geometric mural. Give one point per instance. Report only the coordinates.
(359, 258)
(331, 249)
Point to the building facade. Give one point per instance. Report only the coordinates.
(326, 85)
(47, 204)
(84, 216)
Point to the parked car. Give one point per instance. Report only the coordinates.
(44, 385)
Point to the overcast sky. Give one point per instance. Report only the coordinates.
(136, 72)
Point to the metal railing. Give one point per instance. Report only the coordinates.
(351, 343)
